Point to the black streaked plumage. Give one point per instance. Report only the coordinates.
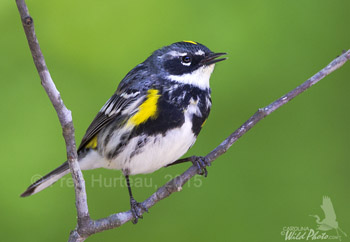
(171, 116)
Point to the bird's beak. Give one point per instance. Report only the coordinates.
(212, 58)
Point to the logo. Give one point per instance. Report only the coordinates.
(326, 229)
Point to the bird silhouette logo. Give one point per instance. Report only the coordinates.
(330, 220)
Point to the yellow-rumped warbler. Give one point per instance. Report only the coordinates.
(152, 119)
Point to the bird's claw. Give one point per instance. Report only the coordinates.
(136, 210)
(201, 164)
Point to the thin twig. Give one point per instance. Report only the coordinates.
(86, 226)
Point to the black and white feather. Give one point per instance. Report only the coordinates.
(179, 74)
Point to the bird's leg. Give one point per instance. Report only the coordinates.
(197, 161)
(135, 206)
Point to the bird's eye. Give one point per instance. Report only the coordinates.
(186, 60)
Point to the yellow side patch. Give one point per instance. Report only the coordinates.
(93, 143)
(203, 123)
(147, 110)
(190, 41)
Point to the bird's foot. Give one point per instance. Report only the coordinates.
(201, 164)
(137, 209)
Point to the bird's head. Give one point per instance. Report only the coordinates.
(186, 62)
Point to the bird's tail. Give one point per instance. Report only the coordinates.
(47, 180)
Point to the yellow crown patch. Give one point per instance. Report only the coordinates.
(190, 41)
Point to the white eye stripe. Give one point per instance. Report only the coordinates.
(186, 64)
(199, 52)
(176, 53)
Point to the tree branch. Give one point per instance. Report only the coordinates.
(64, 115)
(86, 226)
(175, 185)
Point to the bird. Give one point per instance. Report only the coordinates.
(329, 222)
(151, 120)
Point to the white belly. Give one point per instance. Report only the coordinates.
(158, 151)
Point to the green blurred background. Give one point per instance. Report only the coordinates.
(274, 176)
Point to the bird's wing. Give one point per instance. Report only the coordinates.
(111, 111)
(131, 92)
(328, 209)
